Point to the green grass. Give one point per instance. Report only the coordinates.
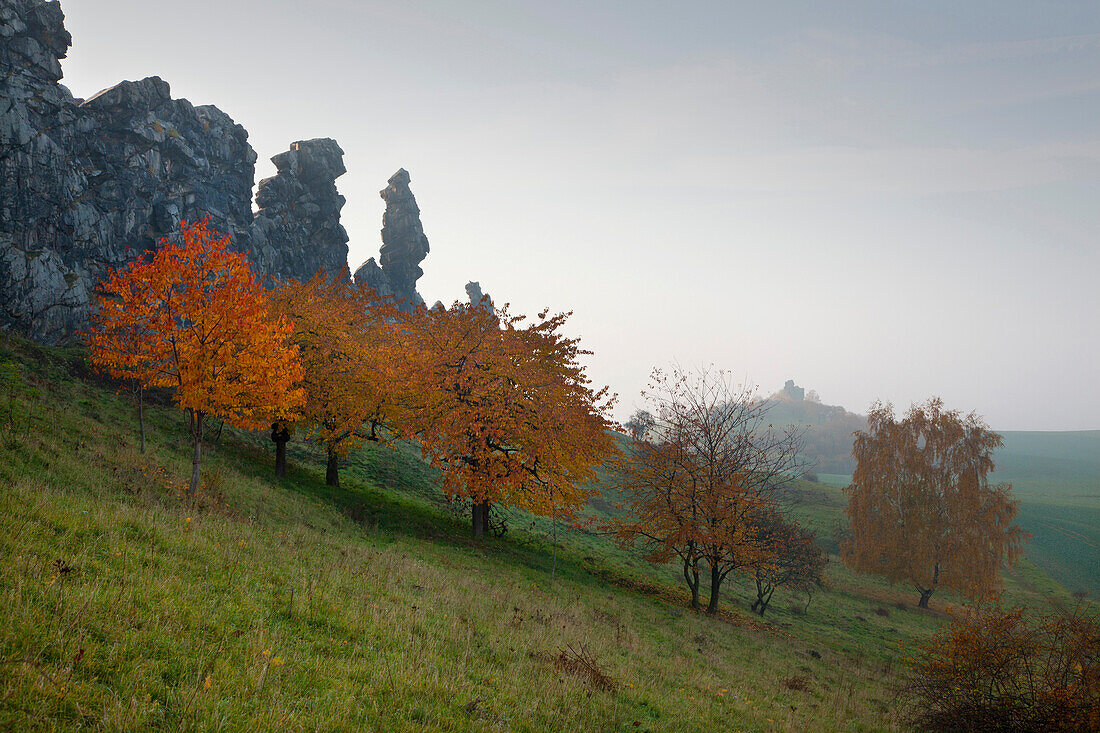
(835, 480)
(1056, 476)
(284, 604)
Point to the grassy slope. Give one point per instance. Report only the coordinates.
(283, 604)
(1056, 476)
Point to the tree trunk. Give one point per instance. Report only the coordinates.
(715, 588)
(691, 575)
(480, 519)
(196, 456)
(332, 471)
(280, 458)
(141, 414)
(926, 594)
(765, 600)
(280, 435)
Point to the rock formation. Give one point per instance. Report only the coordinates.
(89, 185)
(478, 298)
(404, 246)
(36, 185)
(297, 228)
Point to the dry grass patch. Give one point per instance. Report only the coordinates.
(579, 663)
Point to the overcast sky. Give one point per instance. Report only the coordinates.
(880, 200)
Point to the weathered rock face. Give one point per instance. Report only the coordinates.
(478, 298)
(152, 161)
(38, 189)
(297, 229)
(404, 246)
(89, 185)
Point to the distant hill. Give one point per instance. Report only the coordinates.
(829, 428)
(1051, 463)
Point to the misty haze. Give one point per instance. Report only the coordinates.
(549, 366)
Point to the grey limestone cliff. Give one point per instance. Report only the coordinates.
(88, 185)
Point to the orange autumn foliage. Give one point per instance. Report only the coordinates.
(921, 509)
(193, 318)
(346, 340)
(996, 669)
(504, 410)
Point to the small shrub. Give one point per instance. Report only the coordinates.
(580, 663)
(1002, 670)
(797, 683)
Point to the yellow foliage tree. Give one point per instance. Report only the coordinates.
(504, 410)
(921, 508)
(346, 338)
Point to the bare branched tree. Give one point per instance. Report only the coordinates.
(707, 465)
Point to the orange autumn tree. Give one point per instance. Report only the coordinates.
(921, 508)
(345, 337)
(696, 478)
(504, 410)
(192, 317)
(130, 334)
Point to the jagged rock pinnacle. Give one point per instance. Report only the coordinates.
(404, 246)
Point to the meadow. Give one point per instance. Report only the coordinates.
(286, 604)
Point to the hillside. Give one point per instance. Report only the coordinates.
(827, 430)
(285, 604)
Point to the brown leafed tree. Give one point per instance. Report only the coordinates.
(921, 509)
(794, 561)
(708, 464)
